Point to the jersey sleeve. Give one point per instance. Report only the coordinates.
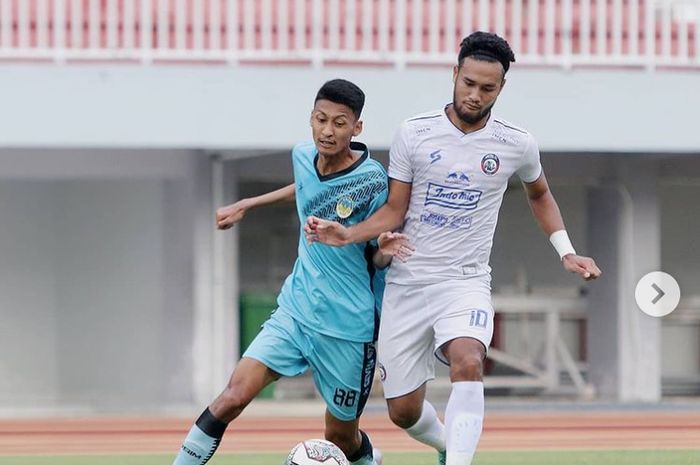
(296, 150)
(400, 155)
(530, 169)
(297, 156)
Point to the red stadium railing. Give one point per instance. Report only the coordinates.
(648, 33)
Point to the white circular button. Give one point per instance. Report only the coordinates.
(657, 294)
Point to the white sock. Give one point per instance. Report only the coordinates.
(429, 429)
(464, 418)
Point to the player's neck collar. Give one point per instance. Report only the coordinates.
(459, 131)
(355, 147)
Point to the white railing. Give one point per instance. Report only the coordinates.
(565, 33)
(544, 371)
(555, 358)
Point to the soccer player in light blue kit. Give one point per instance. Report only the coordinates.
(327, 317)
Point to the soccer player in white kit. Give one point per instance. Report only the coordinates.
(448, 172)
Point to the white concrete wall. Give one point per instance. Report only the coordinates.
(29, 362)
(96, 287)
(109, 276)
(268, 107)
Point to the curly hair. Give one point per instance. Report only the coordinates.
(486, 46)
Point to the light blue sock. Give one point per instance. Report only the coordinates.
(199, 446)
(366, 460)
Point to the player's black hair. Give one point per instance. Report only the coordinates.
(343, 92)
(486, 46)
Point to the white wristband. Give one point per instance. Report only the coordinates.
(562, 244)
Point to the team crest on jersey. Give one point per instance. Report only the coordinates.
(490, 164)
(344, 207)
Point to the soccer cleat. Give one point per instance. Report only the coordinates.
(442, 457)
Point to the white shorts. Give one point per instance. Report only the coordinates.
(418, 320)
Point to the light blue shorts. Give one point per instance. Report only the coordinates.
(342, 370)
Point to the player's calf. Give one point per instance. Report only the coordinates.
(348, 441)
(231, 402)
(247, 380)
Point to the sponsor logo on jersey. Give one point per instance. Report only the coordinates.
(460, 222)
(443, 221)
(503, 138)
(457, 177)
(435, 156)
(422, 130)
(452, 197)
(433, 219)
(490, 164)
(344, 207)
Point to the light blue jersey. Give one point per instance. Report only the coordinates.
(330, 288)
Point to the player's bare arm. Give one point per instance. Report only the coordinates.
(228, 216)
(388, 218)
(547, 214)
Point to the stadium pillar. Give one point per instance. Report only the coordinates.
(225, 275)
(624, 233)
(215, 320)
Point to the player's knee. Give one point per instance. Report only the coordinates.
(348, 441)
(467, 367)
(404, 416)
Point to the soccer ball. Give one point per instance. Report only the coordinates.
(316, 451)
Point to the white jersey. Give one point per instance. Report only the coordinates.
(458, 184)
